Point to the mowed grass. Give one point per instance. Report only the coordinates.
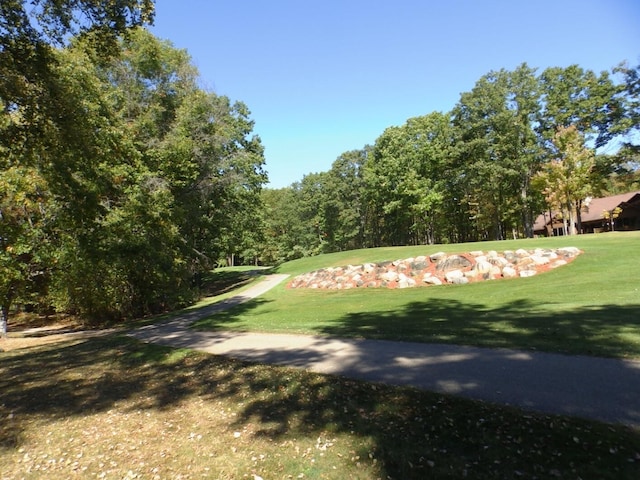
(591, 306)
(113, 408)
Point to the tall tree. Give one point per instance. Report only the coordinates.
(153, 179)
(26, 214)
(404, 178)
(282, 240)
(294, 218)
(566, 180)
(46, 132)
(29, 33)
(117, 254)
(628, 125)
(344, 214)
(578, 97)
(198, 142)
(498, 150)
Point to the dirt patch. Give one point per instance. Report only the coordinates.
(24, 336)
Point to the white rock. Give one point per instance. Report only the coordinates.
(430, 279)
(453, 275)
(539, 259)
(406, 283)
(527, 273)
(482, 267)
(460, 281)
(389, 276)
(499, 261)
(569, 251)
(509, 272)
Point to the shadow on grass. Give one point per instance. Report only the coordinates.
(604, 330)
(218, 282)
(399, 433)
(219, 316)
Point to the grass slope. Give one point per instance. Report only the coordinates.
(591, 306)
(112, 408)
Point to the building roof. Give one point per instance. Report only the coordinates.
(598, 205)
(593, 211)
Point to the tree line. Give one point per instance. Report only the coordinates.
(518, 144)
(121, 180)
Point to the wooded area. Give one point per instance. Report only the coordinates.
(122, 181)
(520, 143)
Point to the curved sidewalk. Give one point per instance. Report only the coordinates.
(601, 389)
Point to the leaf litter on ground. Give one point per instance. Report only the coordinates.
(114, 408)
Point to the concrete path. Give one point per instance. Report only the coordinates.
(601, 389)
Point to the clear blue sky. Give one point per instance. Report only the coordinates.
(322, 77)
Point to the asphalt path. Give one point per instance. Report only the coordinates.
(602, 389)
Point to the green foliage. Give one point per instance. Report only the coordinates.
(143, 180)
(567, 180)
(345, 206)
(628, 123)
(405, 180)
(499, 151)
(26, 214)
(294, 220)
(474, 173)
(29, 85)
(573, 96)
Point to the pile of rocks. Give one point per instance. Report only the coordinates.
(437, 269)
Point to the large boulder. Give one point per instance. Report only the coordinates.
(452, 262)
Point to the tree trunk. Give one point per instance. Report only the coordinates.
(572, 220)
(4, 317)
(579, 216)
(527, 214)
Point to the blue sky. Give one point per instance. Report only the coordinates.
(325, 77)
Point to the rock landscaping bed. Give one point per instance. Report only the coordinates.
(438, 269)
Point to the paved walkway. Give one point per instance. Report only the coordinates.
(596, 388)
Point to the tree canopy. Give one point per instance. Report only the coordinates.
(122, 181)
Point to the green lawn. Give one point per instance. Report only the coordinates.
(591, 306)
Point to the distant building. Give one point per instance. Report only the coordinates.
(596, 215)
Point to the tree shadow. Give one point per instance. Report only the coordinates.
(401, 429)
(218, 282)
(224, 317)
(603, 330)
